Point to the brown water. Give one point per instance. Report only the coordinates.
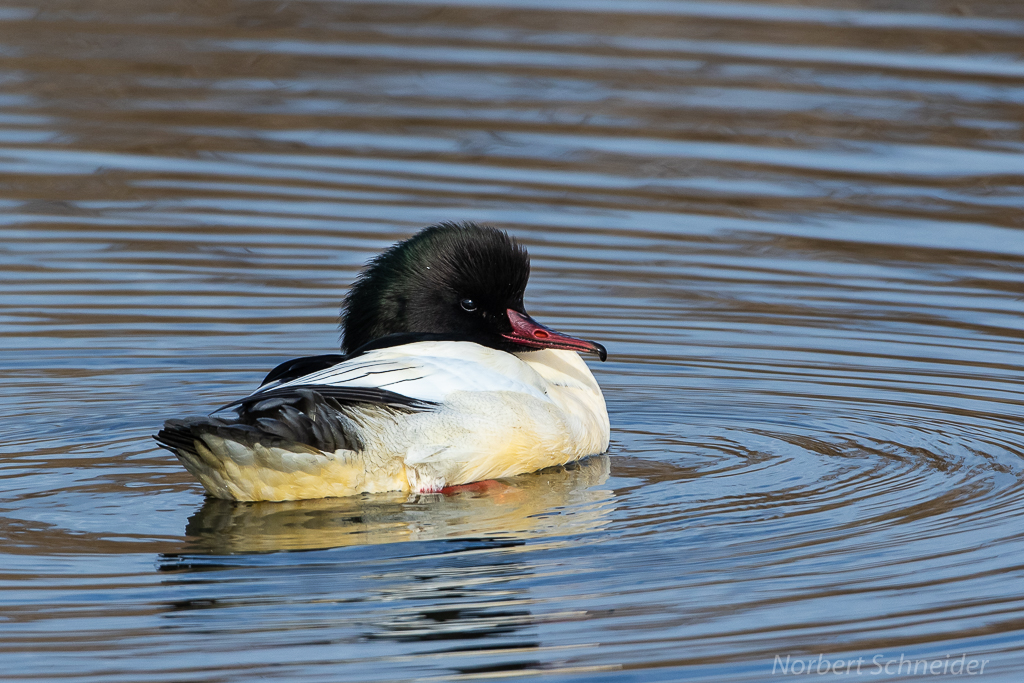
(797, 227)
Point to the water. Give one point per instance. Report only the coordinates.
(797, 229)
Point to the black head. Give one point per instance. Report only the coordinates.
(450, 281)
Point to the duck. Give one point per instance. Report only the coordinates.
(444, 381)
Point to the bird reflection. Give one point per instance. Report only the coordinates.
(558, 500)
(462, 594)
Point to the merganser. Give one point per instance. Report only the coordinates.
(446, 380)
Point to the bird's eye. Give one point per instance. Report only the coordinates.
(468, 305)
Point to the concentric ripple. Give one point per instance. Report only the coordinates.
(797, 228)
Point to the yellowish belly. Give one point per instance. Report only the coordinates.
(473, 438)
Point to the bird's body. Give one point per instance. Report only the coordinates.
(411, 410)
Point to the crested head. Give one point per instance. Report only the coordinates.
(450, 282)
(452, 278)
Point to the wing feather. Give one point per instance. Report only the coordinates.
(424, 372)
(317, 409)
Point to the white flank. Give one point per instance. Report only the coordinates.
(498, 415)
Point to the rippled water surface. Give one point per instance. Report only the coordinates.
(797, 227)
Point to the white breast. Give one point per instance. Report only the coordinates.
(499, 414)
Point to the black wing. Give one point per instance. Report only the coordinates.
(299, 367)
(298, 418)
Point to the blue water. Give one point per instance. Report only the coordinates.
(797, 229)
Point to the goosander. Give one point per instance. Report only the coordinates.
(445, 381)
